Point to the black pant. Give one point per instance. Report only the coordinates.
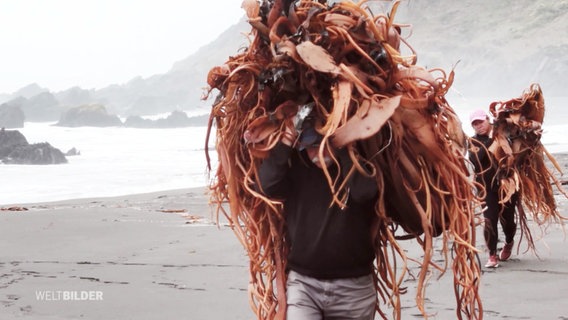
(505, 213)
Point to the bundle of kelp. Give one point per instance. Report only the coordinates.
(520, 157)
(390, 114)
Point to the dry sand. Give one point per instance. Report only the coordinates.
(159, 256)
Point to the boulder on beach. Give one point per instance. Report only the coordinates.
(93, 115)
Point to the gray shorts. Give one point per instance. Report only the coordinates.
(350, 298)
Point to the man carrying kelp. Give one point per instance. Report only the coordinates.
(379, 118)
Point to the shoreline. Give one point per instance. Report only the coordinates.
(159, 255)
(114, 198)
(198, 194)
(561, 158)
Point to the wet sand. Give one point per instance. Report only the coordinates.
(160, 256)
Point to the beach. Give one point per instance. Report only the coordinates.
(161, 256)
(152, 256)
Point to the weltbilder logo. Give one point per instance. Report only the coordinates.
(69, 295)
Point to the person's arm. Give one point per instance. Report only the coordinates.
(479, 153)
(273, 171)
(361, 187)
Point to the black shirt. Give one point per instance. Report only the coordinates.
(325, 240)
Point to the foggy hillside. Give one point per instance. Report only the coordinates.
(497, 47)
(502, 46)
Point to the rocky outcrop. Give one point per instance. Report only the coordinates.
(138, 122)
(75, 96)
(37, 153)
(15, 149)
(42, 107)
(9, 139)
(177, 119)
(199, 121)
(72, 152)
(11, 116)
(94, 115)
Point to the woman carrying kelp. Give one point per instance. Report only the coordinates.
(515, 175)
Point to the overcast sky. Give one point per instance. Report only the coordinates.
(94, 43)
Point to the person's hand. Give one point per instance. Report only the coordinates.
(247, 136)
(289, 135)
